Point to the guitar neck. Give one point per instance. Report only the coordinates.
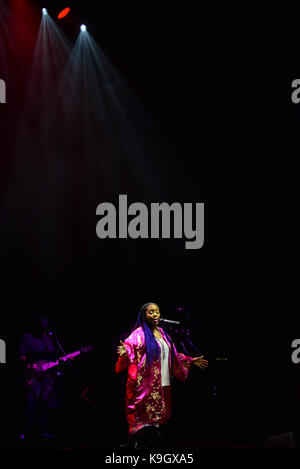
(64, 358)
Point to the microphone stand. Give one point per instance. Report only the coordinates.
(183, 346)
(75, 373)
(191, 343)
(52, 334)
(170, 337)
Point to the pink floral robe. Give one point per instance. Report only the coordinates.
(146, 400)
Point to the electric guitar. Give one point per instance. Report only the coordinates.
(39, 369)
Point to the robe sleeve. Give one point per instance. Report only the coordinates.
(127, 359)
(181, 365)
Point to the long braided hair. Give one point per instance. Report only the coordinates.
(152, 348)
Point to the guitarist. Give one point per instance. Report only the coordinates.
(38, 347)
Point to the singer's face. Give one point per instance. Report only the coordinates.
(152, 315)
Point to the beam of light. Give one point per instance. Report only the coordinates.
(79, 136)
(52, 48)
(41, 150)
(136, 133)
(41, 106)
(83, 27)
(64, 13)
(116, 137)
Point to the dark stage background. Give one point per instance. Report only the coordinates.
(219, 127)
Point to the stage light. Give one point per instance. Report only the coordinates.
(64, 13)
(44, 11)
(83, 27)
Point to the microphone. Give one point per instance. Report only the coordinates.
(168, 321)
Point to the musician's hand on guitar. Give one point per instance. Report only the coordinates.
(121, 350)
(200, 362)
(39, 367)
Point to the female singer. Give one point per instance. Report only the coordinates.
(147, 354)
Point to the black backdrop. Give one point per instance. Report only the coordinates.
(217, 82)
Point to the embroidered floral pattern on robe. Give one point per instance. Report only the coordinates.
(145, 401)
